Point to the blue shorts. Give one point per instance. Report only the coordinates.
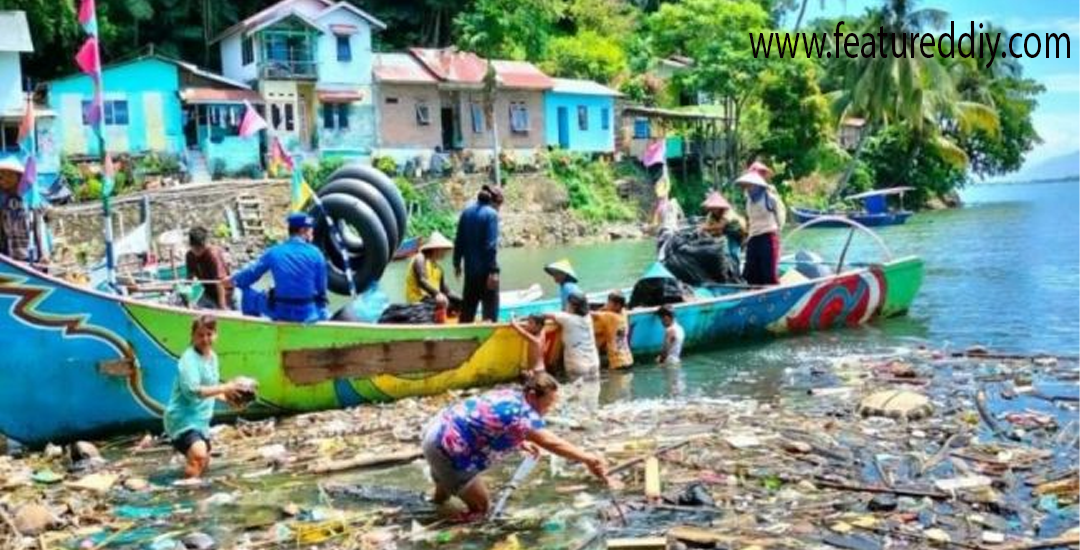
(183, 442)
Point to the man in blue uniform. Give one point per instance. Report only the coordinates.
(299, 272)
(477, 246)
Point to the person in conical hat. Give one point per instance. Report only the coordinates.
(761, 169)
(721, 220)
(424, 276)
(766, 214)
(563, 274)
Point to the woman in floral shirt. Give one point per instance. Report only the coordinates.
(467, 437)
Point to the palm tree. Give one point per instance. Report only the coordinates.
(802, 12)
(907, 89)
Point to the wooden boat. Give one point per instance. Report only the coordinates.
(875, 211)
(408, 247)
(80, 363)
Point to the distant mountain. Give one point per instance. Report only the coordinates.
(1061, 167)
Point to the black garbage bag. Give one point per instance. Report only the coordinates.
(699, 259)
(695, 494)
(659, 291)
(422, 313)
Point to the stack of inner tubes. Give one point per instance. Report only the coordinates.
(369, 215)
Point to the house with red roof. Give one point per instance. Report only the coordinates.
(435, 99)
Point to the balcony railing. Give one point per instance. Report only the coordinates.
(288, 69)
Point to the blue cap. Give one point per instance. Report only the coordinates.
(300, 220)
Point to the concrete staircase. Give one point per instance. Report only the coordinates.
(197, 166)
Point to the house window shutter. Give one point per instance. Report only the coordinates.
(477, 118)
(328, 116)
(343, 115)
(344, 48)
(605, 119)
(583, 118)
(423, 114)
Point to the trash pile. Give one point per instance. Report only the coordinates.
(911, 450)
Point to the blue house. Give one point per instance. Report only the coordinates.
(311, 60)
(580, 116)
(157, 104)
(14, 41)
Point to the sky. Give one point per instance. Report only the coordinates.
(1057, 118)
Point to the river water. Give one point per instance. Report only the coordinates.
(1002, 272)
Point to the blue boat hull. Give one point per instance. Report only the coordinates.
(804, 215)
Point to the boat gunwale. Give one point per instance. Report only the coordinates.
(236, 315)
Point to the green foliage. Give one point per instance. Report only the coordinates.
(591, 186)
(316, 174)
(899, 155)
(90, 190)
(798, 117)
(996, 153)
(157, 163)
(508, 29)
(427, 211)
(222, 231)
(587, 55)
(71, 172)
(386, 165)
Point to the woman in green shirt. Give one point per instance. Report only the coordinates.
(191, 405)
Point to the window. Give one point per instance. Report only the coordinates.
(582, 118)
(423, 114)
(247, 50)
(641, 128)
(11, 137)
(519, 118)
(116, 112)
(275, 116)
(391, 101)
(336, 116)
(605, 119)
(344, 48)
(290, 122)
(476, 112)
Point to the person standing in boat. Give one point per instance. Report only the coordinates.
(191, 404)
(563, 274)
(466, 438)
(766, 215)
(424, 276)
(206, 262)
(299, 271)
(476, 245)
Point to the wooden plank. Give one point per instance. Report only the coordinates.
(365, 461)
(642, 543)
(652, 478)
(311, 366)
(695, 535)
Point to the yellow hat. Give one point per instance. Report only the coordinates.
(562, 266)
(437, 242)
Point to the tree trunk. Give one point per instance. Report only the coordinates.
(802, 12)
(842, 184)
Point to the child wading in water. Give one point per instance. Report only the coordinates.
(191, 405)
(674, 335)
(532, 330)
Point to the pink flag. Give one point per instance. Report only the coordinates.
(654, 152)
(88, 58)
(86, 11)
(29, 175)
(251, 122)
(26, 127)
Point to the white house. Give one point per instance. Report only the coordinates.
(311, 61)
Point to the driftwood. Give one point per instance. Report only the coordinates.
(899, 491)
(638, 460)
(980, 404)
(365, 461)
(1068, 539)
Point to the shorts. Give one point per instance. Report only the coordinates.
(443, 473)
(183, 442)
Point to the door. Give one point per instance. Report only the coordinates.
(448, 124)
(564, 128)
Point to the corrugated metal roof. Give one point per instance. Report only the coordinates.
(581, 87)
(14, 32)
(282, 9)
(452, 66)
(521, 75)
(400, 68)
